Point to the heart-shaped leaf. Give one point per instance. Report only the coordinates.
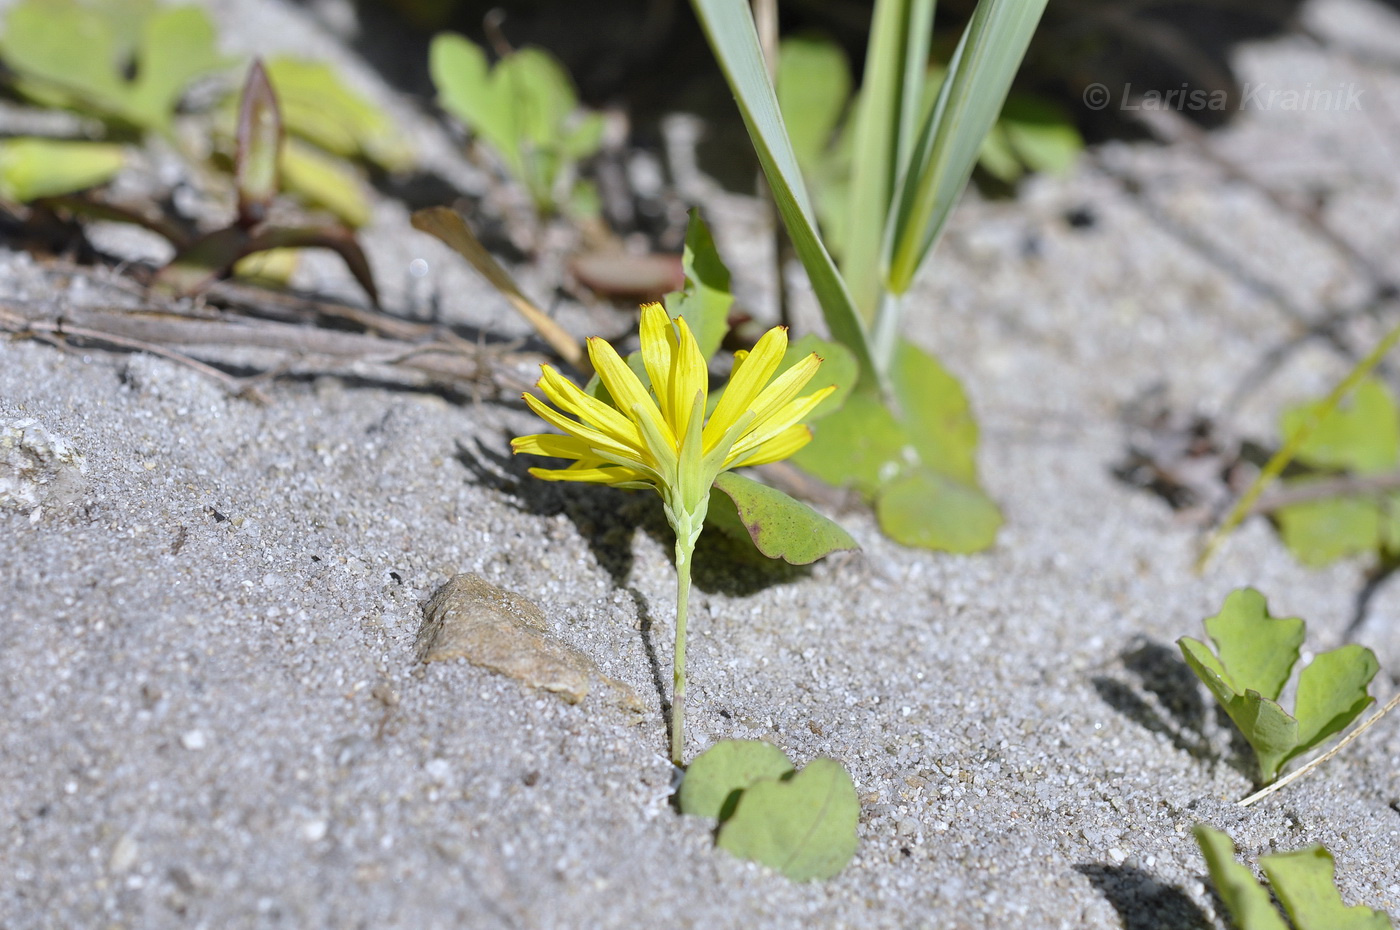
(1305, 883)
(781, 527)
(804, 826)
(714, 780)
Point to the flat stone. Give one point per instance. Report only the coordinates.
(470, 618)
(37, 467)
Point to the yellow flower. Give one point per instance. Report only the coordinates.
(659, 437)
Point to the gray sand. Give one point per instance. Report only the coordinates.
(213, 717)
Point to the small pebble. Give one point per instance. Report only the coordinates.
(194, 740)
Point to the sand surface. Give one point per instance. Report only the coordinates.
(213, 716)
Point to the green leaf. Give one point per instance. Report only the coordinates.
(714, 780)
(462, 77)
(729, 27)
(935, 511)
(1247, 900)
(804, 827)
(76, 55)
(1332, 693)
(1304, 881)
(813, 85)
(839, 368)
(1360, 435)
(705, 300)
(32, 168)
(318, 107)
(781, 527)
(525, 108)
(861, 445)
(1270, 731)
(885, 125)
(1258, 651)
(968, 104)
(1320, 532)
(177, 46)
(937, 416)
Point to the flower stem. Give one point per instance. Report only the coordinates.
(685, 548)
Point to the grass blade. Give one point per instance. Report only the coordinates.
(968, 104)
(895, 61)
(730, 29)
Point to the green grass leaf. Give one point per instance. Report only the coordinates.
(885, 125)
(1247, 901)
(1332, 693)
(803, 826)
(1304, 881)
(716, 777)
(729, 26)
(32, 168)
(781, 527)
(705, 300)
(968, 104)
(1361, 434)
(813, 86)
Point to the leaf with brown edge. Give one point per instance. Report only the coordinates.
(781, 527)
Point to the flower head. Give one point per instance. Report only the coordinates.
(659, 437)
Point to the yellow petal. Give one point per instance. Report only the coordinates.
(778, 448)
(568, 397)
(750, 375)
(627, 391)
(551, 444)
(783, 419)
(689, 377)
(784, 388)
(611, 474)
(601, 443)
(658, 348)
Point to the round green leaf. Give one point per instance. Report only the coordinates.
(924, 508)
(805, 827)
(714, 780)
(860, 445)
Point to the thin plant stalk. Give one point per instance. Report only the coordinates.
(685, 550)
